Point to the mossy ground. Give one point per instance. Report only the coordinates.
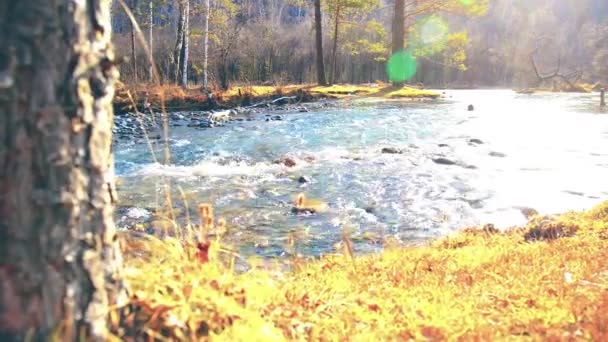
(545, 281)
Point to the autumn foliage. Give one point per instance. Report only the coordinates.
(545, 281)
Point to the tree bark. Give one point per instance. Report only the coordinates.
(206, 46)
(151, 38)
(319, 44)
(177, 53)
(334, 54)
(59, 256)
(186, 45)
(398, 34)
(134, 46)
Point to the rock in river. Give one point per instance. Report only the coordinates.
(303, 179)
(443, 161)
(498, 154)
(287, 161)
(391, 150)
(475, 141)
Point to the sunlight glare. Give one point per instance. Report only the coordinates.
(433, 30)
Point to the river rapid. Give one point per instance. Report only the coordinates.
(455, 168)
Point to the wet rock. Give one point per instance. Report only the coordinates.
(369, 210)
(310, 159)
(303, 211)
(443, 145)
(471, 108)
(444, 161)
(274, 118)
(287, 161)
(303, 110)
(574, 193)
(528, 212)
(476, 141)
(303, 179)
(391, 150)
(497, 154)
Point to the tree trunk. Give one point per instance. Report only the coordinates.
(177, 53)
(319, 43)
(59, 256)
(134, 46)
(206, 46)
(334, 54)
(399, 29)
(151, 38)
(186, 45)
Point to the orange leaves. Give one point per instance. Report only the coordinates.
(432, 333)
(202, 251)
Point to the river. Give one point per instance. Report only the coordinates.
(548, 152)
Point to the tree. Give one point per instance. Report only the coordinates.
(179, 43)
(135, 7)
(440, 40)
(151, 37)
(206, 45)
(340, 11)
(399, 26)
(59, 255)
(319, 44)
(186, 44)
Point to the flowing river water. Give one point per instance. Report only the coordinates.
(548, 152)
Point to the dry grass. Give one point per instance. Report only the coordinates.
(374, 90)
(177, 98)
(479, 284)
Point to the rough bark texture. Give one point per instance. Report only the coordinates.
(59, 255)
(319, 44)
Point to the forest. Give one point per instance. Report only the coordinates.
(303, 170)
(458, 43)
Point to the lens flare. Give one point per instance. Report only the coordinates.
(433, 30)
(401, 66)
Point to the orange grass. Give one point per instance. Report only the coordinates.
(545, 281)
(177, 98)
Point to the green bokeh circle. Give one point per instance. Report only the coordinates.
(401, 67)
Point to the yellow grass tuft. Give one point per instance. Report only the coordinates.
(545, 281)
(374, 90)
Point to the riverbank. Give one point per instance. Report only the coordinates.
(176, 98)
(547, 280)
